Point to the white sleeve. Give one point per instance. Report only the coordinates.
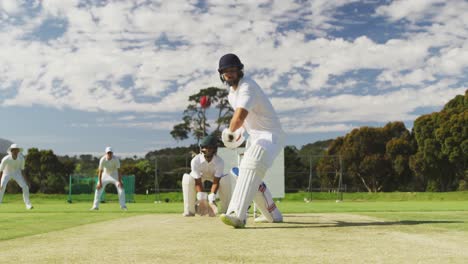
(219, 172)
(3, 164)
(245, 98)
(23, 160)
(195, 166)
(100, 163)
(117, 164)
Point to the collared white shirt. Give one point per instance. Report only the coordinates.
(110, 167)
(201, 168)
(10, 165)
(262, 116)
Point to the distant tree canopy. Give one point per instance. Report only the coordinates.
(47, 173)
(433, 157)
(374, 158)
(440, 163)
(195, 121)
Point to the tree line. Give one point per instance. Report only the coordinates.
(431, 157)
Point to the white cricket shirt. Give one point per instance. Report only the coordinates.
(10, 165)
(262, 116)
(201, 168)
(110, 167)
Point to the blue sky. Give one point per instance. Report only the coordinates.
(76, 76)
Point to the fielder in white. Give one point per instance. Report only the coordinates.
(109, 172)
(206, 166)
(254, 113)
(12, 166)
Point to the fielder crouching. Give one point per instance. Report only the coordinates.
(206, 166)
(253, 112)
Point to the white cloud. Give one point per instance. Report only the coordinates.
(398, 79)
(412, 10)
(451, 62)
(10, 7)
(128, 122)
(310, 114)
(170, 50)
(127, 118)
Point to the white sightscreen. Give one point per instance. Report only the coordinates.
(275, 175)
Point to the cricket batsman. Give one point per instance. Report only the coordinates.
(12, 166)
(206, 166)
(254, 113)
(109, 172)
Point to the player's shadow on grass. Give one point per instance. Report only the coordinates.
(290, 224)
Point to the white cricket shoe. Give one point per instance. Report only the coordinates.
(263, 219)
(124, 208)
(188, 214)
(29, 207)
(232, 221)
(94, 209)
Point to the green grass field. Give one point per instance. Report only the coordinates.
(419, 219)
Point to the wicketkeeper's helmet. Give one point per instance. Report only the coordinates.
(209, 141)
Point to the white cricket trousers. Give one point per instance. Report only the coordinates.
(21, 182)
(272, 143)
(106, 179)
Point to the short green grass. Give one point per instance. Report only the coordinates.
(299, 196)
(52, 212)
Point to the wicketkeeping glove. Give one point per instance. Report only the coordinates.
(212, 198)
(201, 196)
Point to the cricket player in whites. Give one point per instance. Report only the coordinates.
(254, 113)
(206, 166)
(109, 172)
(12, 166)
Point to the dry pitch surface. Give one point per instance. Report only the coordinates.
(303, 238)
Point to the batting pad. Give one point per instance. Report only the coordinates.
(224, 193)
(251, 172)
(188, 190)
(264, 201)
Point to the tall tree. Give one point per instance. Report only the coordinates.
(310, 155)
(442, 141)
(329, 165)
(367, 154)
(143, 170)
(194, 120)
(296, 173)
(47, 174)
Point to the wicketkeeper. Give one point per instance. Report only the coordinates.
(253, 112)
(206, 166)
(12, 166)
(109, 172)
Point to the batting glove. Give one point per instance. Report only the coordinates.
(232, 139)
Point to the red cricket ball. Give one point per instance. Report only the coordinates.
(205, 101)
